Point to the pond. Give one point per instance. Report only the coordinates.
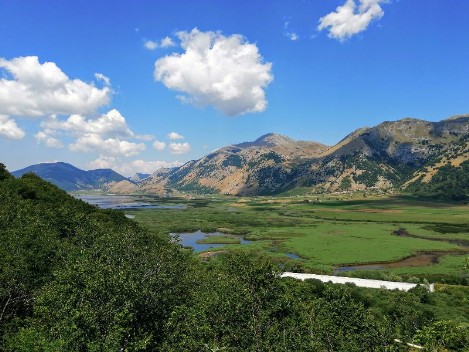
(125, 202)
(292, 256)
(190, 239)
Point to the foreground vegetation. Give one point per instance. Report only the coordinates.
(77, 278)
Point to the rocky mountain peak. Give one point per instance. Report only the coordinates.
(273, 138)
(267, 140)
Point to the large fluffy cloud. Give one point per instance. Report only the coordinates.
(107, 134)
(130, 168)
(9, 128)
(226, 72)
(350, 19)
(30, 88)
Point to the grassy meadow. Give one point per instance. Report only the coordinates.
(330, 231)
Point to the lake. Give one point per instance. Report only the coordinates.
(125, 202)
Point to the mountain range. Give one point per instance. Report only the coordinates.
(71, 178)
(408, 154)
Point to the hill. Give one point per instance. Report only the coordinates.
(71, 178)
(247, 168)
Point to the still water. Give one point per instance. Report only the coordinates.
(190, 240)
(125, 202)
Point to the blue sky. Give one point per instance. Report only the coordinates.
(227, 72)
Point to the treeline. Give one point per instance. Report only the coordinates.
(450, 182)
(77, 278)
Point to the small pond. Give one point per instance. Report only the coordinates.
(189, 239)
(292, 256)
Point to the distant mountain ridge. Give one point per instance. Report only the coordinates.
(408, 154)
(71, 178)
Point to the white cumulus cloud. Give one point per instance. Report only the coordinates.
(179, 148)
(10, 129)
(111, 146)
(108, 134)
(350, 18)
(47, 139)
(111, 123)
(226, 72)
(157, 145)
(30, 88)
(129, 168)
(175, 135)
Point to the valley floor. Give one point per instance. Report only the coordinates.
(331, 234)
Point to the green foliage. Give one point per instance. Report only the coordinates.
(233, 160)
(241, 305)
(73, 277)
(449, 182)
(77, 278)
(276, 158)
(346, 183)
(444, 336)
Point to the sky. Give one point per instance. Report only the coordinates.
(139, 85)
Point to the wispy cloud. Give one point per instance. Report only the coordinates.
(150, 45)
(166, 42)
(289, 33)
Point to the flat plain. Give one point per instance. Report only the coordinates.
(330, 234)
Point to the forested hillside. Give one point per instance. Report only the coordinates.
(77, 278)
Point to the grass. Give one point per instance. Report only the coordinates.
(326, 231)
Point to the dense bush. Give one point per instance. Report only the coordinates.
(77, 278)
(449, 182)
